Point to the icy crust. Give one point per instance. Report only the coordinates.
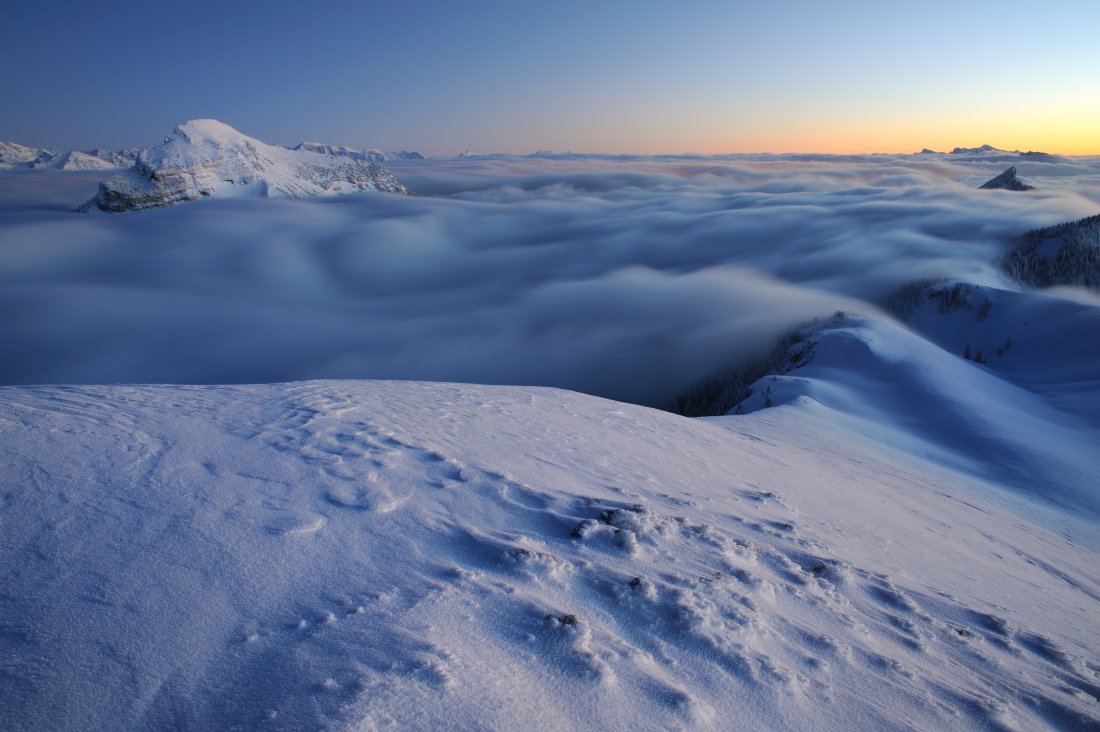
(209, 158)
(369, 555)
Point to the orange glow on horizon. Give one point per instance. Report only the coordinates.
(1078, 137)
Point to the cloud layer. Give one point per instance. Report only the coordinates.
(630, 278)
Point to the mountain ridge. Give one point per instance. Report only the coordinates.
(205, 157)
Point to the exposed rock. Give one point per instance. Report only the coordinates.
(209, 158)
(1007, 181)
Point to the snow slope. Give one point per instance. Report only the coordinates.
(889, 383)
(376, 554)
(209, 158)
(14, 155)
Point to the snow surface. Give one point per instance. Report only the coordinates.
(372, 554)
(1034, 429)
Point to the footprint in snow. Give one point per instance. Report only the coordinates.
(295, 523)
(363, 497)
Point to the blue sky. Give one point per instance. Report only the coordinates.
(441, 77)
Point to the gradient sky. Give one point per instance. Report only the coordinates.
(707, 76)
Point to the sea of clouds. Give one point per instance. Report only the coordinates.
(630, 278)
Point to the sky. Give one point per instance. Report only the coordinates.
(703, 76)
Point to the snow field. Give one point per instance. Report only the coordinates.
(368, 554)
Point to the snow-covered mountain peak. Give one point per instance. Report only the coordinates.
(197, 131)
(205, 157)
(981, 150)
(201, 142)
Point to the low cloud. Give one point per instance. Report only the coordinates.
(630, 278)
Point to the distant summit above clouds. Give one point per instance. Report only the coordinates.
(372, 155)
(206, 157)
(1007, 181)
(20, 156)
(12, 155)
(984, 149)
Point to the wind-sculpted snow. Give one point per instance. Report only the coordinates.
(1005, 386)
(632, 278)
(356, 555)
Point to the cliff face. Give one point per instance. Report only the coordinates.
(208, 158)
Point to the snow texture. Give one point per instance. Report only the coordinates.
(209, 158)
(348, 555)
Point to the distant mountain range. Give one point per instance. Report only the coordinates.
(990, 151)
(372, 155)
(13, 155)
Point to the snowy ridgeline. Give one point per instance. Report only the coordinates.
(13, 156)
(372, 554)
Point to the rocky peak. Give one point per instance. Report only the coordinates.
(1007, 181)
